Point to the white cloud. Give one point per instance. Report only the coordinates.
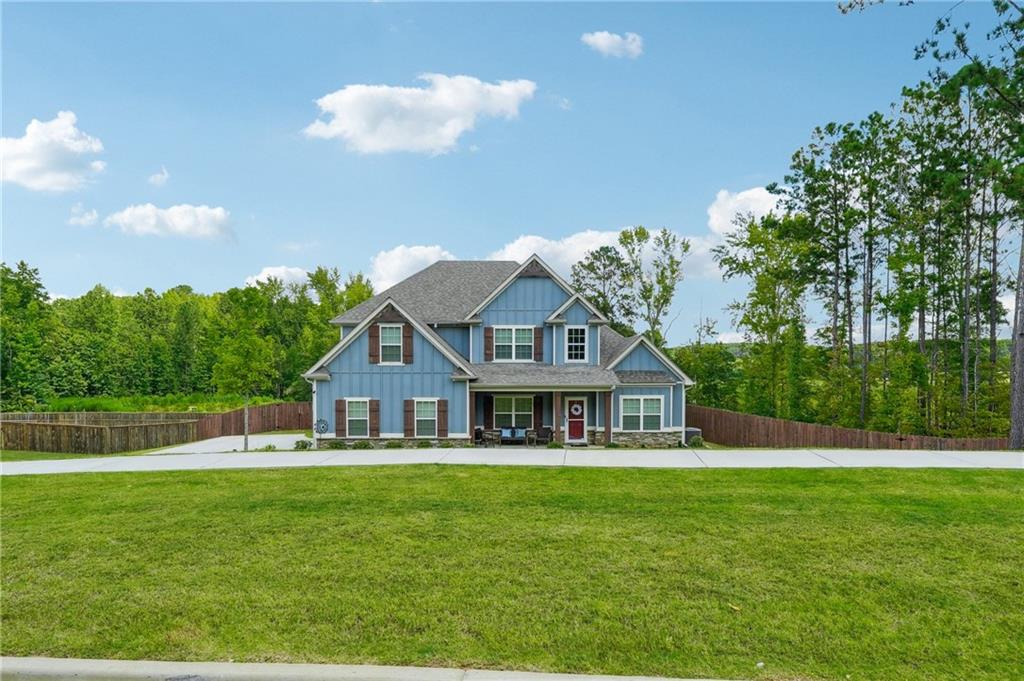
(52, 155)
(159, 179)
(195, 222)
(374, 119)
(561, 254)
(283, 273)
(614, 45)
(82, 217)
(387, 268)
(728, 205)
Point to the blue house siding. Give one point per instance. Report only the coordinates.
(429, 375)
(527, 301)
(456, 336)
(671, 416)
(576, 315)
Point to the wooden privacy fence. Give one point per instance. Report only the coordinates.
(110, 432)
(747, 430)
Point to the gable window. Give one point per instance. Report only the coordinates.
(426, 418)
(358, 418)
(513, 343)
(390, 343)
(641, 413)
(575, 344)
(513, 412)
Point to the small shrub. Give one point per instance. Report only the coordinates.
(445, 444)
(424, 444)
(612, 445)
(554, 445)
(362, 444)
(266, 448)
(696, 441)
(302, 444)
(393, 444)
(336, 444)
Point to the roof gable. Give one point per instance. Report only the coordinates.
(532, 267)
(574, 301)
(641, 354)
(390, 311)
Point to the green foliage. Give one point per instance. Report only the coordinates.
(653, 280)
(394, 444)
(697, 442)
(446, 444)
(424, 444)
(612, 445)
(266, 448)
(362, 444)
(555, 445)
(195, 402)
(302, 445)
(335, 444)
(256, 340)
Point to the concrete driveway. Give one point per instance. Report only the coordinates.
(220, 453)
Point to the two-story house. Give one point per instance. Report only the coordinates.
(463, 346)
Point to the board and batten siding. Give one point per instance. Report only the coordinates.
(527, 301)
(429, 375)
(674, 402)
(456, 336)
(577, 315)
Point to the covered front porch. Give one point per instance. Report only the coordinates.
(522, 416)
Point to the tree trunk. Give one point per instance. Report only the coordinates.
(245, 425)
(1017, 362)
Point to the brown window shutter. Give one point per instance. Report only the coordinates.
(488, 343)
(407, 343)
(340, 424)
(608, 417)
(374, 339)
(374, 418)
(538, 411)
(538, 344)
(488, 411)
(442, 418)
(410, 418)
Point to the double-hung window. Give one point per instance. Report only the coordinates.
(513, 343)
(575, 344)
(391, 343)
(358, 418)
(426, 418)
(641, 413)
(513, 412)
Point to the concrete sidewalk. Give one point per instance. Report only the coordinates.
(59, 669)
(522, 456)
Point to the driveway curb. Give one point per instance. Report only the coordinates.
(64, 669)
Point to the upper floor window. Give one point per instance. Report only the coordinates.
(391, 343)
(576, 344)
(513, 343)
(641, 413)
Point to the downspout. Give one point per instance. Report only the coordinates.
(313, 384)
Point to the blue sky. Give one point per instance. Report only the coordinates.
(548, 138)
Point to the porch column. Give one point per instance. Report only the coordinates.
(471, 428)
(556, 414)
(607, 417)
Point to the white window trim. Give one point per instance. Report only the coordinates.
(661, 413)
(415, 418)
(494, 342)
(513, 396)
(586, 352)
(401, 344)
(348, 431)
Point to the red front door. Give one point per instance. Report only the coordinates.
(577, 413)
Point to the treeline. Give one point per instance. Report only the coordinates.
(176, 342)
(898, 227)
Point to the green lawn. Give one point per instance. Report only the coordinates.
(820, 574)
(27, 455)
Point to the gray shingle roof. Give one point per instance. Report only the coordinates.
(612, 343)
(540, 375)
(634, 376)
(446, 291)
